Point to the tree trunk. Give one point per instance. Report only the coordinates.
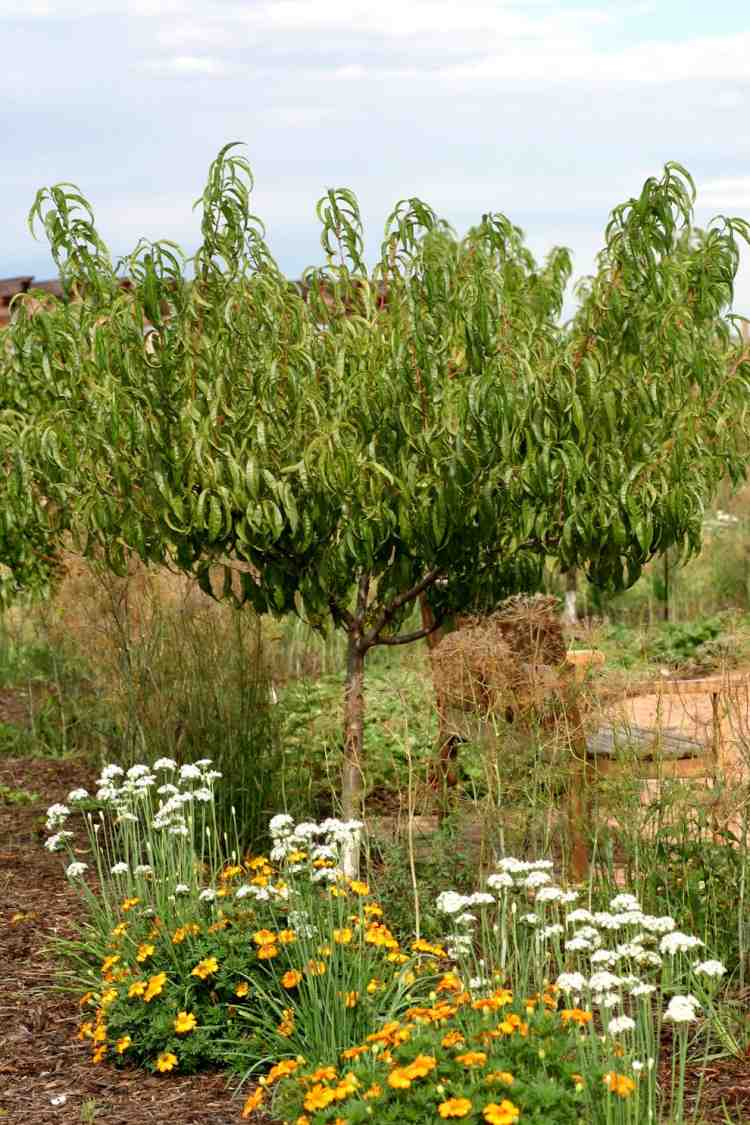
(570, 614)
(354, 715)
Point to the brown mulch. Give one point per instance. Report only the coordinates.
(46, 1076)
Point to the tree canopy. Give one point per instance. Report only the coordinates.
(425, 427)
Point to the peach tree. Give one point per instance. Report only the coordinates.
(424, 427)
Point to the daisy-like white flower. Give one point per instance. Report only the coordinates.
(207, 895)
(500, 881)
(643, 989)
(54, 843)
(57, 814)
(577, 945)
(76, 870)
(281, 824)
(682, 1009)
(548, 894)
(190, 772)
(120, 868)
(78, 794)
(603, 981)
(579, 915)
(449, 902)
(165, 764)
(537, 879)
(661, 925)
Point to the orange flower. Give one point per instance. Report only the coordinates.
(342, 937)
(253, 1102)
(351, 999)
(619, 1084)
(266, 952)
(128, 904)
(354, 1052)
(503, 1114)
(137, 988)
(472, 1058)
(264, 937)
(155, 986)
(398, 1079)
(502, 1076)
(145, 949)
(123, 1043)
(286, 1027)
(242, 989)
(421, 1066)
(286, 937)
(374, 1091)
(291, 978)
(319, 1097)
(205, 968)
(455, 1107)
(315, 968)
(109, 962)
(575, 1015)
(281, 1070)
(452, 1039)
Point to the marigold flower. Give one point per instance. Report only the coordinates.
(358, 887)
(286, 1027)
(128, 904)
(398, 1079)
(618, 1084)
(109, 962)
(354, 1052)
(351, 999)
(373, 1091)
(503, 1114)
(184, 1022)
(242, 989)
(166, 1061)
(421, 1066)
(422, 946)
(315, 968)
(155, 986)
(291, 978)
(576, 1015)
(319, 1097)
(98, 1054)
(137, 988)
(145, 950)
(282, 1070)
(372, 910)
(264, 937)
(108, 997)
(374, 985)
(253, 1102)
(342, 937)
(324, 1074)
(472, 1058)
(205, 968)
(286, 937)
(123, 1043)
(119, 930)
(502, 1076)
(267, 952)
(455, 1107)
(452, 1039)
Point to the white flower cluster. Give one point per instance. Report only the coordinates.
(321, 844)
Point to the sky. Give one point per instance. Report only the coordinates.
(550, 111)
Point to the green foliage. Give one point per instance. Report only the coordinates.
(686, 642)
(11, 796)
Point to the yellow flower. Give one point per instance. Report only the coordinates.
(257, 862)
(166, 1061)
(575, 1015)
(455, 1107)
(145, 949)
(319, 1097)
(123, 1043)
(205, 968)
(119, 930)
(189, 929)
(108, 997)
(286, 1027)
(619, 1084)
(373, 1092)
(503, 1114)
(504, 1077)
(109, 962)
(230, 872)
(242, 989)
(342, 937)
(253, 1102)
(291, 978)
(324, 1074)
(184, 1022)
(264, 937)
(472, 1058)
(373, 910)
(99, 1053)
(282, 1069)
(315, 968)
(351, 999)
(373, 985)
(286, 937)
(422, 946)
(137, 988)
(421, 1067)
(215, 927)
(398, 1079)
(128, 904)
(452, 1039)
(266, 952)
(354, 1052)
(359, 888)
(155, 986)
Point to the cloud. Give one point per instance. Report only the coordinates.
(188, 66)
(728, 193)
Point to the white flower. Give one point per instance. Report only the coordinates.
(75, 870)
(529, 919)
(112, 771)
(682, 1009)
(571, 982)
(500, 881)
(579, 915)
(478, 983)
(120, 868)
(577, 945)
(107, 793)
(179, 829)
(465, 919)
(189, 772)
(207, 895)
(536, 879)
(138, 771)
(603, 981)
(624, 902)
(603, 957)
(588, 933)
(541, 865)
(54, 843)
(643, 989)
(281, 824)
(56, 816)
(480, 898)
(658, 925)
(607, 999)
(548, 894)
(676, 942)
(324, 851)
(450, 903)
(550, 931)
(630, 949)
(325, 875)
(570, 896)
(78, 794)
(143, 869)
(648, 958)
(212, 775)
(709, 969)
(606, 920)
(637, 1066)
(203, 795)
(203, 762)
(513, 865)
(305, 830)
(165, 764)
(458, 945)
(182, 889)
(620, 1024)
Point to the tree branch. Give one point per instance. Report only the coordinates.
(417, 635)
(400, 600)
